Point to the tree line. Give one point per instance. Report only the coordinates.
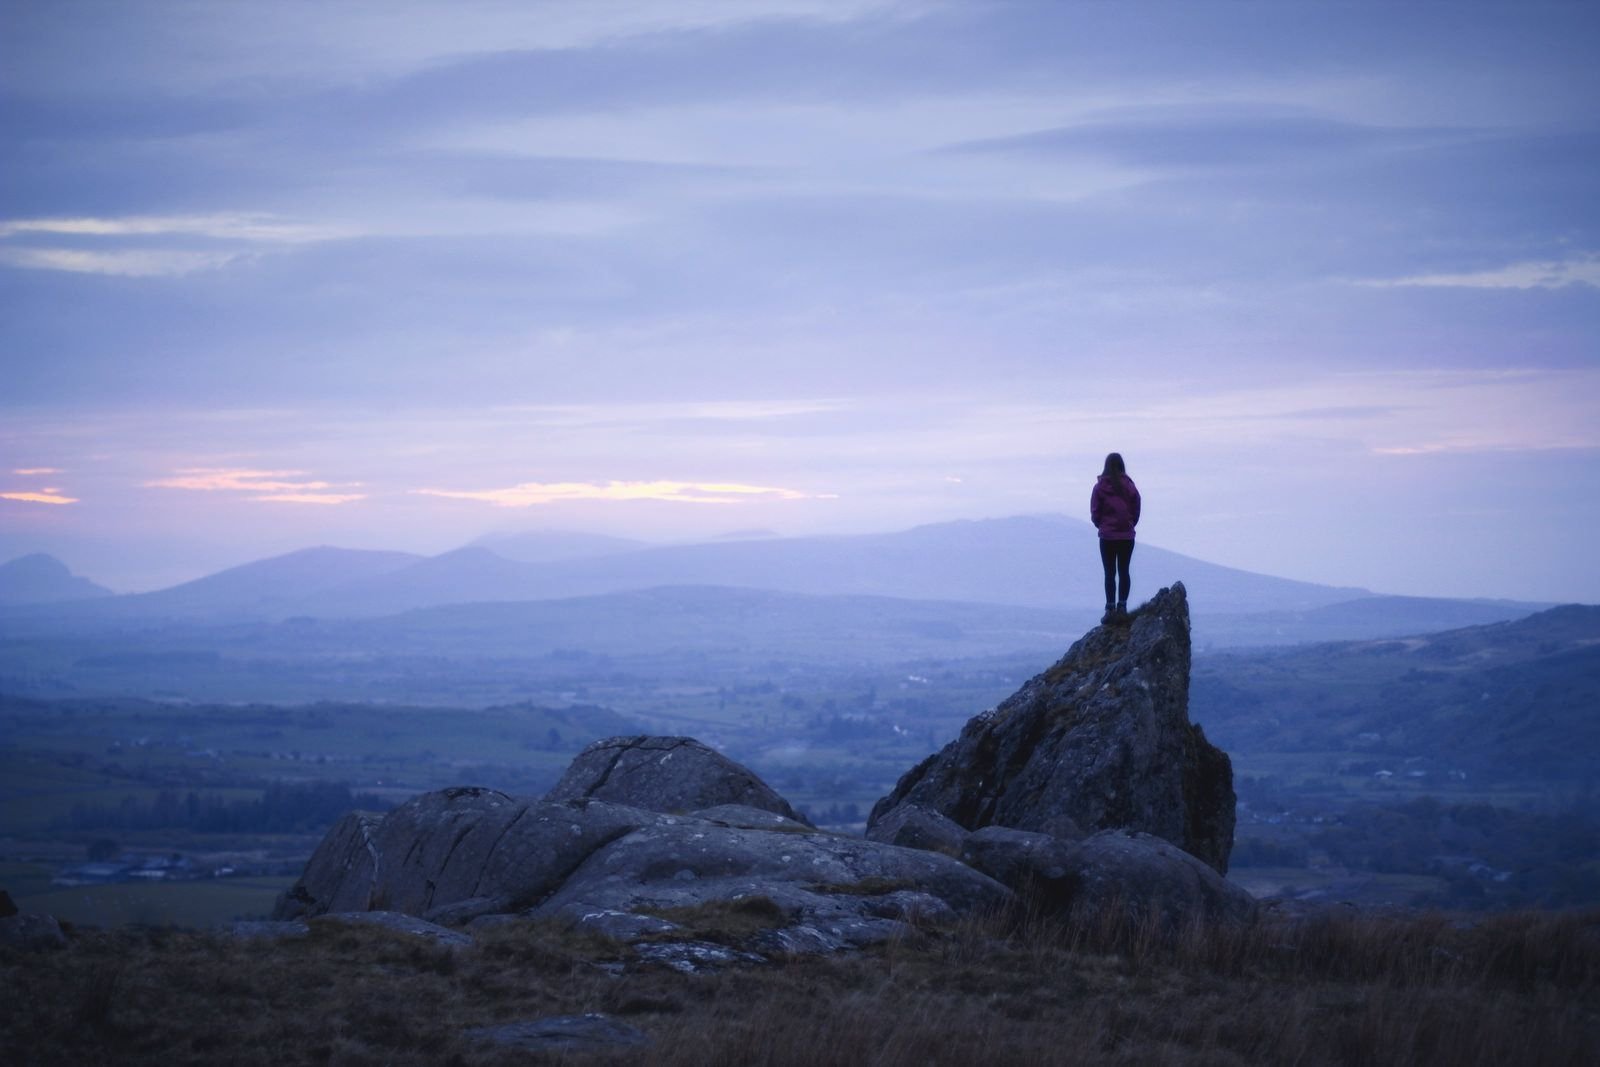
(283, 808)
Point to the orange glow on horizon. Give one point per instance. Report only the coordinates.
(313, 498)
(49, 496)
(236, 480)
(528, 494)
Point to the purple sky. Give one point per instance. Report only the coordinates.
(397, 275)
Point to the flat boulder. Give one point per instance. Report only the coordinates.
(468, 856)
(1042, 867)
(674, 775)
(1101, 740)
(856, 890)
(455, 854)
(1150, 881)
(914, 826)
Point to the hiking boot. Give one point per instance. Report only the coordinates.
(1111, 613)
(1122, 609)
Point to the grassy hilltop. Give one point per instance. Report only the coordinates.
(1340, 989)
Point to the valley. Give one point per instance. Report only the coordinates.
(1386, 750)
(1362, 771)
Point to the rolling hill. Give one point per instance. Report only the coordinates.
(42, 579)
(1027, 561)
(1509, 699)
(1038, 563)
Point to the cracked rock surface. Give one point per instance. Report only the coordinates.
(458, 855)
(667, 774)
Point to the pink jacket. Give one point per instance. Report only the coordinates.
(1114, 507)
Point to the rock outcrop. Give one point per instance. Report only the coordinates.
(862, 891)
(1088, 790)
(459, 855)
(1100, 741)
(1152, 881)
(455, 854)
(666, 774)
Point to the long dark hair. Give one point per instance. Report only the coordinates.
(1114, 466)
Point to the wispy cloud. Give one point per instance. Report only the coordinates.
(281, 486)
(230, 227)
(313, 498)
(235, 479)
(128, 263)
(45, 494)
(132, 246)
(1543, 274)
(48, 496)
(529, 494)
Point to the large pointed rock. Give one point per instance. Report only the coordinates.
(1100, 741)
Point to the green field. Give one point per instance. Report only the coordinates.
(193, 904)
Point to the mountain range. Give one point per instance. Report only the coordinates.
(1043, 563)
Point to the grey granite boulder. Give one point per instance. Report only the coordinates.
(341, 873)
(832, 892)
(1147, 879)
(666, 774)
(1043, 867)
(914, 826)
(455, 854)
(1101, 740)
(747, 818)
(458, 856)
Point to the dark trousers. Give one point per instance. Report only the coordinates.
(1115, 557)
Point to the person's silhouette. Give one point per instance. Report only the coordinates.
(1114, 510)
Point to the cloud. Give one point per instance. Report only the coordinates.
(28, 471)
(236, 227)
(280, 486)
(1220, 134)
(528, 494)
(313, 498)
(1545, 274)
(131, 253)
(133, 263)
(49, 496)
(231, 479)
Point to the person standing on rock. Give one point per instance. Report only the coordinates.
(1114, 510)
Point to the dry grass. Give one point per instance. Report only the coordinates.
(1014, 989)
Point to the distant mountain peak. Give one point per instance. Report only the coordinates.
(40, 578)
(554, 546)
(748, 535)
